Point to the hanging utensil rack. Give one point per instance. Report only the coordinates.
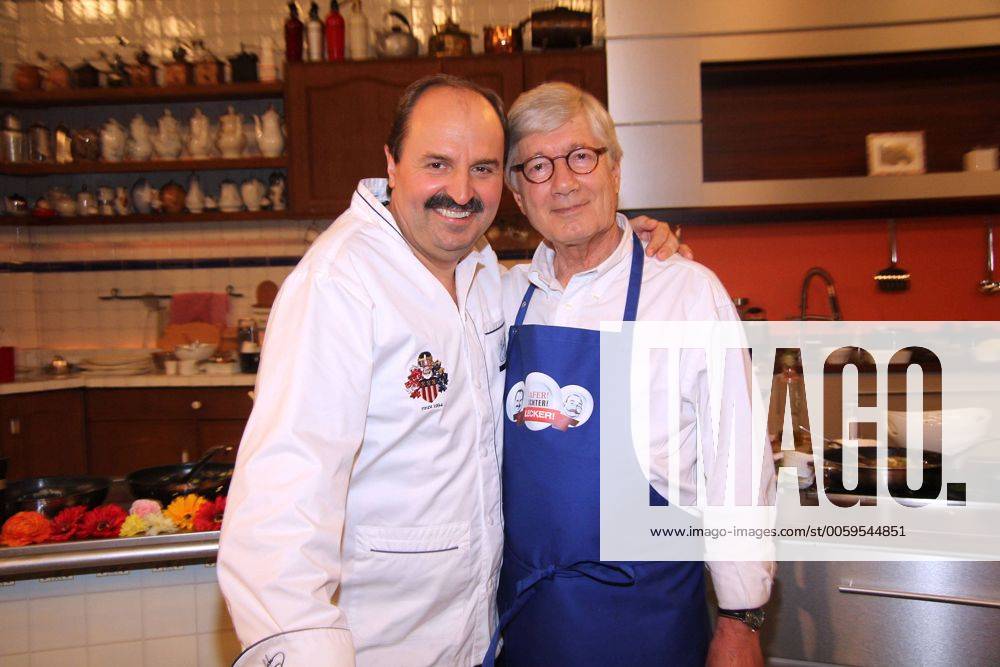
(116, 295)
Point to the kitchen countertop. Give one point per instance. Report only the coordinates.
(37, 382)
(117, 553)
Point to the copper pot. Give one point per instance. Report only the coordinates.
(172, 198)
(58, 77)
(502, 39)
(27, 77)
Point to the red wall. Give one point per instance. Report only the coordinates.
(766, 263)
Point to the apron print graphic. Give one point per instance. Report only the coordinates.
(538, 402)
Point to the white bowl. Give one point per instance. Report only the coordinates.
(195, 351)
(966, 427)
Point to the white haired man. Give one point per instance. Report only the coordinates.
(560, 604)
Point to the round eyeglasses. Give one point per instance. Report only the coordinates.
(541, 167)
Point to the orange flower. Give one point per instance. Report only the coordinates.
(25, 528)
(183, 510)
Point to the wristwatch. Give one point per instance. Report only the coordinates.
(753, 618)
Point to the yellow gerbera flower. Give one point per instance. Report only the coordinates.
(182, 510)
(134, 525)
(159, 524)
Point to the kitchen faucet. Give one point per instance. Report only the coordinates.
(831, 292)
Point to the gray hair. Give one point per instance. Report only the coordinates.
(550, 106)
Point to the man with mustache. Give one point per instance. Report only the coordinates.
(363, 524)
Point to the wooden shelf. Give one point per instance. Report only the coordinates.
(160, 218)
(842, 210)
(211, 164)
(93, 96)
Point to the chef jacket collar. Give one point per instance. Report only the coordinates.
(371, 198)
(542, 272)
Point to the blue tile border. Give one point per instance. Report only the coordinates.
(147, 264)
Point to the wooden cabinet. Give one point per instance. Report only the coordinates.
(42, 433)
(129, 429)
(584, 69)
(339, 114)
(338, 123)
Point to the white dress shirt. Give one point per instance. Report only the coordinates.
(364, 522)
(675, 289)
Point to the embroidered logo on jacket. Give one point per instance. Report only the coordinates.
(427, 379)
(539, 402)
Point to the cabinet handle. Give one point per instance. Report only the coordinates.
(196, 405)
(15, 426)
(926, 597)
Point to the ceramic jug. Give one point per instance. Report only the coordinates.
(139, 145)
(200, 140)
(143, 196)
(231, 139)
(268, 131)
(167, 140)
(251, 191)
(229, 197)
(113, 139)
(123, 205)
(195, 199)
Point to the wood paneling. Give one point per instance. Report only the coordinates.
(584, 69)
(338, 120)
(43, 433)
(809, 118)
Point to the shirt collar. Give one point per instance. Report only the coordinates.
(370, 200)
(542, 272)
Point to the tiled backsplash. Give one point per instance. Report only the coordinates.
(61, 309)
(140, 618)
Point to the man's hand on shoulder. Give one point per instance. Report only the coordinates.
(734, 644)
(660, 240)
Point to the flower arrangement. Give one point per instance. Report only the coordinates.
(145, 517)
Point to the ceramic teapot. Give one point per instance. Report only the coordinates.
(200, 140)
(231, 139)
(267, 128)
(140, 144)
(113, 139)
(167, 139)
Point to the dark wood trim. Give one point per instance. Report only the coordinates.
(211, 164)
(95, 96)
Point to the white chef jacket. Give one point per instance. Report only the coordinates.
(363, 524)
(675, 289)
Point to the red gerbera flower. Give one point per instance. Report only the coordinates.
(209, 515)
(66, 525)
(103, 521)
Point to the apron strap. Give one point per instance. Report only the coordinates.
(631, 297)
(606, 573)
(634, 280)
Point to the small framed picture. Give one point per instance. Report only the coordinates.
(891, 153)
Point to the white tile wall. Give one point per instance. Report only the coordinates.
(75, 29)
(144, 618)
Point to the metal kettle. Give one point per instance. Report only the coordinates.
(395, 42)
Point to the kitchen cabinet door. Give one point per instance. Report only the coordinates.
(338, 116)
(227, 432)
(116, 448)
(43, 434)
(585, 69)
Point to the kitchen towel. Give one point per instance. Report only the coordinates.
(210, 307)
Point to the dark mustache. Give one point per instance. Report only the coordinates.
(442, 200)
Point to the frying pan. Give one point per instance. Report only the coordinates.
(869, 472)
(164, 483)
(51, 495)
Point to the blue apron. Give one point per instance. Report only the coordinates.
(559, 604)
